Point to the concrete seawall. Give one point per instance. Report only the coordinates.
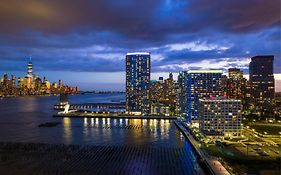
(204, 164)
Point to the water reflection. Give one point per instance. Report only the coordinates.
(20, 117)
(120, 131)
(28, 105)
(67, 132)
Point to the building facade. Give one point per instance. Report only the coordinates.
(235, 83)
(220, 117)
(181, 103)
(262, 83)
(137, 82)
(201, 84)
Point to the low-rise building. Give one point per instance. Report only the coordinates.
(160, 109)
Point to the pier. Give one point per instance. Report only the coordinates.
(110, 115)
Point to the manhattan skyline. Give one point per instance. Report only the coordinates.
(85, 42)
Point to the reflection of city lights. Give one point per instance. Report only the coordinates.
(154, 122)
(67, 134)
(85, 122)
(96, 121)
(145, 122)
(162, 122)
(108, 121)
(126, 120)
(167, 125)
(92, 122)
(66, 121)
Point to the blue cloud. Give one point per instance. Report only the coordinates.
(94, 36)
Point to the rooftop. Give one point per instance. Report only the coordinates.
(219, 99)
(138, 53)
(204, 71)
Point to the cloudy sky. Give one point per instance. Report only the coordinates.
(84, 42)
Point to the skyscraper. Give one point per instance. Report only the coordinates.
(235, 73)
(137, 82)
(181, 104)
(262, 82)
(29, 70)
(201, 84)
(235, 83)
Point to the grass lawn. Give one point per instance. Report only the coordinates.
(240, 163)
(270, 129)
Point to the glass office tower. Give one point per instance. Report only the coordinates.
(201, 84)
(262, 82)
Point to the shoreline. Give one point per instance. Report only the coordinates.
(212, 164)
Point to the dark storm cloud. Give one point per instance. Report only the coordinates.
(143, 19)
(238, 15)
(91, 35)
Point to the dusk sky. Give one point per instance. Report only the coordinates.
(84, 42)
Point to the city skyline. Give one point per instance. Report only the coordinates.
(113, 84)
(32, 84)
(86, 45)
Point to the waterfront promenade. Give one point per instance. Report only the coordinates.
(212, 163)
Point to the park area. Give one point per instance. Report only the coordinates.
(244, 160)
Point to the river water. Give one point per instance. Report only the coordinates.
(20, 117)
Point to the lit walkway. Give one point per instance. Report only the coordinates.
(212, 162)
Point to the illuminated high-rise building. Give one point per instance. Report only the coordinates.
(13, 82)
(201, 84)
(48, 84)
(262, 82)
(235, 83)
(220, 117)
(13, 85)
(28, 82)
(181, 103)
(247, 99)
(235, 73)
(137, 82)
(29, 70)
(60, 84)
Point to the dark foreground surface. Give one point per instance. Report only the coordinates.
(30, 158)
